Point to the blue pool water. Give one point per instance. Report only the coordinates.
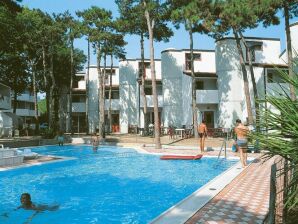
(114, 185)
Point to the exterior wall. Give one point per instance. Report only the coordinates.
(26, 99)
(157, 70)
(230, 84)
(177, 109)
(294, 39)
(6, 122)
(128, 92)
(294, 35)
(5, 97)
(6, 125)
(93, 100)
(232, 104)
(172, 69)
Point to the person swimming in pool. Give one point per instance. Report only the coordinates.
(27, 204)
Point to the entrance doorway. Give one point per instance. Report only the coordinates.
(208, 116)
(115, 123)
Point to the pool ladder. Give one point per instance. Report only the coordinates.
(224, 146)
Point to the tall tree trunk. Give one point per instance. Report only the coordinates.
(193, 88)
(150, 25)
(35, 99)
(15, 97)
(101, 100)
(104, 93)
(69, 103)
(245, 78)
(289, 49)
(254, 84)
(110, 96)
(63, 106)
(45, 79)
(52, 97)
(87, 88)
(142, 87)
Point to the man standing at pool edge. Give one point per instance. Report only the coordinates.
(241, 142)
(202, 129)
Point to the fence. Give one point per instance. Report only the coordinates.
(281, 177)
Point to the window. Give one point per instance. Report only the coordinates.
(148, 90)
(199, 85)
(196, 57)
(115, 94)
(146, 66)
(270, 78)
(108, 72)
(253, 47)
(78, 98)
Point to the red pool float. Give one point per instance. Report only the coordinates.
(173, 157)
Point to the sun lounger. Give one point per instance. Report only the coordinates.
(28, 154)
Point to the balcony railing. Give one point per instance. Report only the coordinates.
(149, 99)
(207, 96)
(79, 107)
(115, 104)
(278, 89)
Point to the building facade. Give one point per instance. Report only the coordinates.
(25, 108)
(218, 85)
(6, 121)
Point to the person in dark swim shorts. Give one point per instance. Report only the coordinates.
(202, 129)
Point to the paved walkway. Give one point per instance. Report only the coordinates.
(245, 200)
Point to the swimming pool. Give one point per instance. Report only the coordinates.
(114, 185)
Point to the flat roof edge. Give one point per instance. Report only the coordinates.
(252, 38)
(181, 50)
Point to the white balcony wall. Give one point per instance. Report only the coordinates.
(207, 96)
(115, 103)
(25, 113)
(157, 71)
(207, 62)
(26, 97)
(82, 84)
(115, 78)
(78, 107)
(150, 101)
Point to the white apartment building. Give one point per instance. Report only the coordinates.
(131, 101)
(219, 84)
(6, 122)
(79, 105)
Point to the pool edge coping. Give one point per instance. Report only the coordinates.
(60, 159)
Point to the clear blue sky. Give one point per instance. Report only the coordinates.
(180, 39)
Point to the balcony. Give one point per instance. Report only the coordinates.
(79, 107)
(278, 89)
(207, 96)
(115, 104)
(149, 99)
(26, 97)
(26, 113)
